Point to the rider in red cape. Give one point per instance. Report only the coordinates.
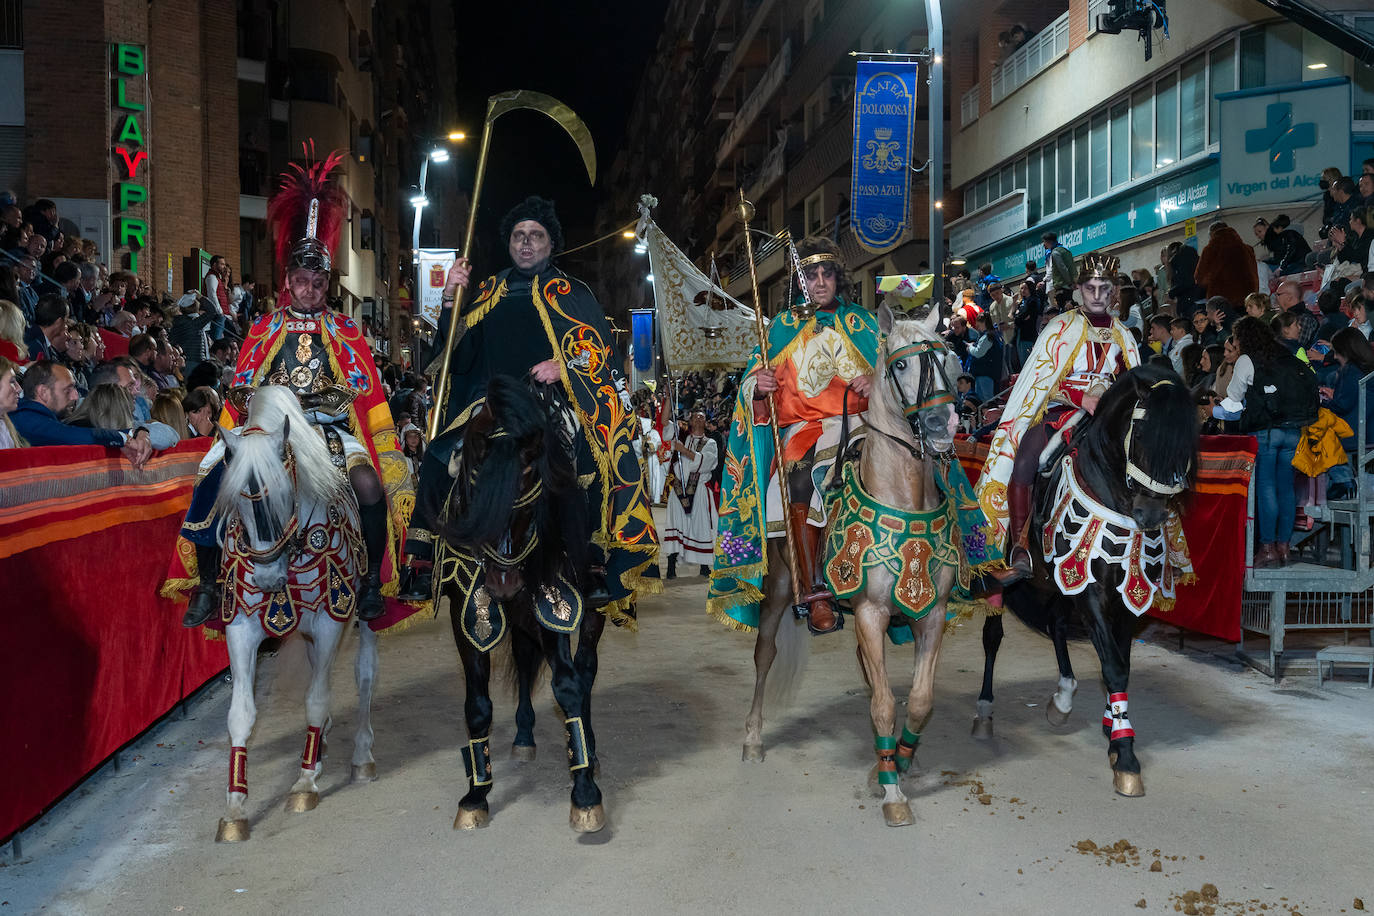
(321, 355)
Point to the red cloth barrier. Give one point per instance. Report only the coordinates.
(1213, 521)
(92, 655)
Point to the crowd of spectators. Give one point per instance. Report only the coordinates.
(90, 356)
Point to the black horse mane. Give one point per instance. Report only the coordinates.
(1164, 442)
(529, 434)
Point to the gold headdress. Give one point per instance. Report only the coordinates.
(1099, 266)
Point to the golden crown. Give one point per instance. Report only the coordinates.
(1100, 267)
(883, 133)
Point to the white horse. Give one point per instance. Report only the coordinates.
(293, 559)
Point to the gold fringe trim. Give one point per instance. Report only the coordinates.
(177, 589)
(616, 613)
(213, 635)
(721, 617)
(428, 611)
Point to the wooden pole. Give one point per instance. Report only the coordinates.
(746, 213)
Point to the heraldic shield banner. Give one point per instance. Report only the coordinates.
(884, 120)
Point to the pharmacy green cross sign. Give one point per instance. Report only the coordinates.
(1281, 138)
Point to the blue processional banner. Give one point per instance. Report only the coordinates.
(642, 335)
(884, 121)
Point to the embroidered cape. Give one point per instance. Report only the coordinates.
(578, 335)
(740, 555)
(1040, 384)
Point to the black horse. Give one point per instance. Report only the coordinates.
(513, 563)
(1134, 458)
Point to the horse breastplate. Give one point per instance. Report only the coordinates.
(302, 364)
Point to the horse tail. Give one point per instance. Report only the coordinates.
(793, 648)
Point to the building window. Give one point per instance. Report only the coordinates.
(1065, 171)
(1142, 132)
(1098, 161)
(1166, 121)
(1192, 91)
(814, 215)
(1252, 59)
(1019, 175)
(1033, 209)
(813, 115)
(1047, 180)
(1221, 77)
(1081, 167)
(1120, 132)
(811, 18)
(11, 23)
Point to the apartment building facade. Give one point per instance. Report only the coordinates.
(757, 95)
(1074, 132)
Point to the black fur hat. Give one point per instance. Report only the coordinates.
(539, 210)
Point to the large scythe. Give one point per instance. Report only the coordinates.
(498, 105)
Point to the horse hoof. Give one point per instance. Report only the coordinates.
(587, 820)
(235, 831)
(471, 819)
(522, 752)
(364, 772)
(1056, 718)
(1128, 784)
(982, 728)
(898, 814)
(301, 802)
(753, 753)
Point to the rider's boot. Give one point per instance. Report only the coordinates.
(371, 604)
(418, 579)
(1019, 511)
(672, 566)
(205, 597)
(821, 615)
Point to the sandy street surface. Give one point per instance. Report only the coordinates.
(1260, 799)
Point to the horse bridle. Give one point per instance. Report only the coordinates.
(290, 536)
(931, 354)
(1133, 471)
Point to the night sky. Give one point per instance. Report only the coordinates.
(589, 55)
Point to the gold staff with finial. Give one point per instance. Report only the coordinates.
(746, 213)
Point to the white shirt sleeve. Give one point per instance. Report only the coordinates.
(1239, 384)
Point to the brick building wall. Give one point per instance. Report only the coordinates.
(189, 125)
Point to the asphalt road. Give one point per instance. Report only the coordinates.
(1260, 798)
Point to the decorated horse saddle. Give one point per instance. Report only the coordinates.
(915, 547)
(1079, 529)
(558, 606)
(326, 558)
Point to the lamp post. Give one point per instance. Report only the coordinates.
(419, 200)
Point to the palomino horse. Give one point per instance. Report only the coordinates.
(293, 556)
(512, 560)
(890, 576)
(1106, 543)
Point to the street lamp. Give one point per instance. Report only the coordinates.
(437, 154)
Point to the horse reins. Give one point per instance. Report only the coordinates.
(289, 537)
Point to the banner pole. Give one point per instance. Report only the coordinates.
(746, 213)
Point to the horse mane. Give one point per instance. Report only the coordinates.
(256, 456)
(1167, 437)
(487, 504)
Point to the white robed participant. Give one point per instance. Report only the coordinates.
(691, 531)
(655, 474)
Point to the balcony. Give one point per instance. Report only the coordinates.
(743, 44)
(769, 172)
(1032, 57)
(968, 107)
(768, 86)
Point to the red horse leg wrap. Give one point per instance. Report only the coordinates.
(238, 769)
(1121, 725)
(312, 748)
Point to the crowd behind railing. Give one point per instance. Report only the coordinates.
(95, 356)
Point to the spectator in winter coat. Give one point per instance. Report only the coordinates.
(1287, 245)
(1183, 287)
(1227, 265)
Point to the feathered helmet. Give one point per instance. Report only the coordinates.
(306, 215)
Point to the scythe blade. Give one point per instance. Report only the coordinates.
(503, 102)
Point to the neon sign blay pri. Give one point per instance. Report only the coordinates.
(129, 62)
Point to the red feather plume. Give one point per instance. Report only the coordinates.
(288, 212)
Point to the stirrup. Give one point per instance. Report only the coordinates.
(1017, 569)
(371, 604)
(810, 616)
